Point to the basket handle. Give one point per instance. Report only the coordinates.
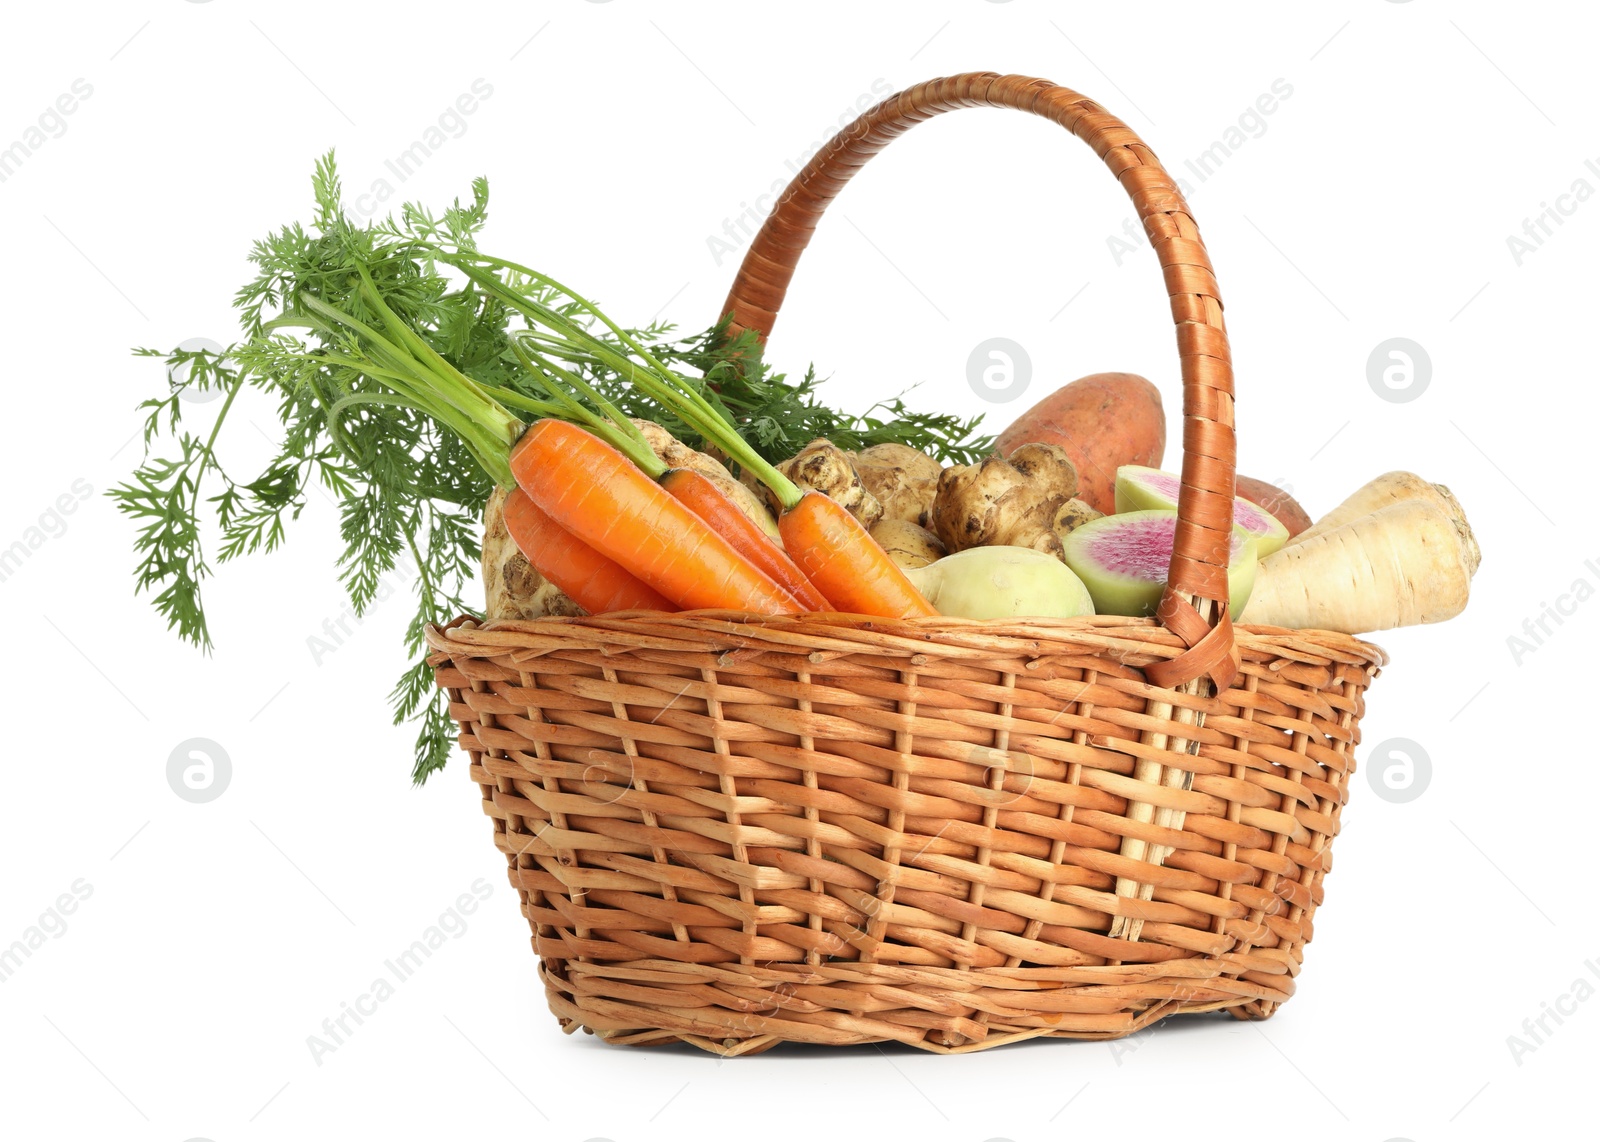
(1194, 606)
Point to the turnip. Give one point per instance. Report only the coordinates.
(1002, 583)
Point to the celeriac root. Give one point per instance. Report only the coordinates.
(512, 589)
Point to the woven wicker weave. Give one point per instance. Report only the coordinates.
(738, 830)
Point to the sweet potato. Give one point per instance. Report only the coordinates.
(1102, 421)
(1284, 507)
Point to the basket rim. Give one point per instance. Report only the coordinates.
(1144, 640)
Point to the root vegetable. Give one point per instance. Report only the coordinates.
(599, 495)
(1124, 560)
(697, 492)
(823, 466)
(1003, 583)
(1146, 489)
(1284, 507)
(1071, 516)
(694, 489)
(1395, 488)
(908, 544)
(1103, 421)
(676, 454)
(594, 581)
(512, 589)
(903, 480)
(827, 544)
(1005, 501)
(1407, 563)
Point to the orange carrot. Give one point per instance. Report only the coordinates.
(603, 498)
(706, 500)
(827, 544)
(597, 584)
(845, 563)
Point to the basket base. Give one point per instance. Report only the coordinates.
(732, 1010)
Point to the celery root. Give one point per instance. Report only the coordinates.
(512, 588)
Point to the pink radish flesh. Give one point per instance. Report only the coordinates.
(1142, 549)
(1245, 513)
(1124, 559)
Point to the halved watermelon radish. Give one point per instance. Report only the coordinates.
(1149, 489)
(1123, 560)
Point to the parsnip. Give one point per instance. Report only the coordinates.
(1386, 490)
(1407, 563)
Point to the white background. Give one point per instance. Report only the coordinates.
(618, 138)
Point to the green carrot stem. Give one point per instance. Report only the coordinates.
(485, 427)
(619, 432)
(652, 377)
(460, 389)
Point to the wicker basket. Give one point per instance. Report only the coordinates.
(737, 830)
